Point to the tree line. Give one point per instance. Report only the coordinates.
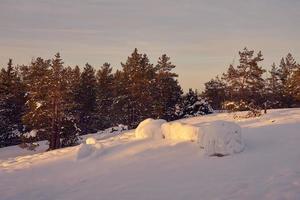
(249, 86)
(62, 102)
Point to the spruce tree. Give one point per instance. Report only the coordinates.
(274, 88)
(11, 105)
(193, 105)
(105, 80)
(36, 77)
(167, 92)
(138, 78)
(86, 100)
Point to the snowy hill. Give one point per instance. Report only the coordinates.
(123, 167)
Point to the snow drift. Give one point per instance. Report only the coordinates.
(180, 131)
(221, 138)
(149, 128)
(90, 147)
(218, 138)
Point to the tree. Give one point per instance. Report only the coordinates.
(296, 86)
(86, 100)
(36, 78)
(11, 105)
(138, 78)
(286, 71)
(193, 105)
(105, 80)
(167, 92)
(245, 82)
(274, 88)
(215, 93)
(48, 102)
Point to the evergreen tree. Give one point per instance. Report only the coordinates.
(70, 131)
(120, 114)
(245, 83)
(36, 78)
(86, 100)
(138, 79)
(105, 81)
(167, 92)
(287, 68)
(296, 86)
(11, 105)
(215, 93)
(48, 102)
(193, 105)
(274, 88)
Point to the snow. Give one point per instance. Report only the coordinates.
(88, 150)
(149, 128)
(221, 138)
(90, 140)
(216, 138)
(124, 167)
(38, 105)
(180, 131)
(32, 133)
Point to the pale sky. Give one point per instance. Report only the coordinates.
(202, 37)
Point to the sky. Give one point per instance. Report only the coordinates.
(202, 37)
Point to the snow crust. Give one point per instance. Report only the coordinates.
(149, 128)
(221, 138)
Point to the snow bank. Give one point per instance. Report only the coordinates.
(90, 147)
(149, 128)
(180, 131)
(221, 138)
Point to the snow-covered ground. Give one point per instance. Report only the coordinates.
(125, 167)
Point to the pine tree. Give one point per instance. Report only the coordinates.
(215, 93)
(245, 83)
(105, 80)
(11, 105)
(86, 100)
(48, 102)
(167, 92)
(274, 88)
(287, 68)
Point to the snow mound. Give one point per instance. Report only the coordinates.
(149, 128)
(217, 138)
(91, 147)
(90, 140)
(180, 131)
(220, 138)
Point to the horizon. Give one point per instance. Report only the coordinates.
(201, 37)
